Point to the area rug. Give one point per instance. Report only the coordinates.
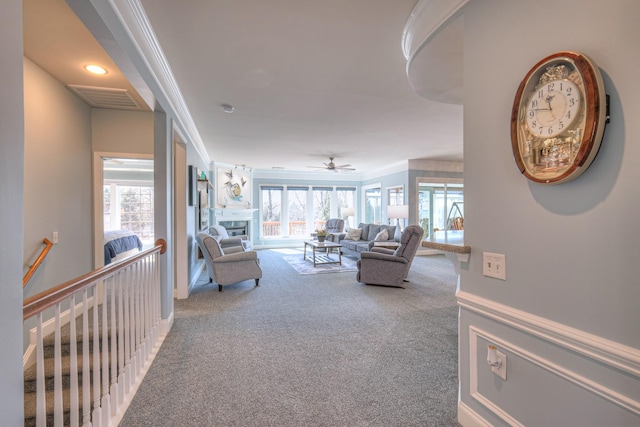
(303, 266)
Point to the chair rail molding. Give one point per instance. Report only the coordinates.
(600, 349)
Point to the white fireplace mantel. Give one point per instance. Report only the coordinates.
(230, 214)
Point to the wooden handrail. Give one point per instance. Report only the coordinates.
(36, 264)
(39, 302)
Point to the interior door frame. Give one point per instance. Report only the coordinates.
(182, 285)
(98, 180)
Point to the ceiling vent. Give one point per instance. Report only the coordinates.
(101, 97)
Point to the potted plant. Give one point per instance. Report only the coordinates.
(322, 234)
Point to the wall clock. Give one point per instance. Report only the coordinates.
(558, 118)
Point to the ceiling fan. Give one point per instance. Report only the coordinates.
(333, 167)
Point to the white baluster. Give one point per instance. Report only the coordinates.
(58, 415)
(41, 399)
(96, 415)
(114, 347)
(74, 404)
(121, 370)
(104, 354)
(86, 371)
(127, 333)
(143, 311)
(136, 317)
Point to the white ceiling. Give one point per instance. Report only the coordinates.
(308, 79)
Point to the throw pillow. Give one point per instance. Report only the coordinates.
(354, 234)
(383, 235)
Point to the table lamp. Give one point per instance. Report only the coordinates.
(398, 212)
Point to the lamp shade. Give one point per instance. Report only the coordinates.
(398, 211)
(348, 212)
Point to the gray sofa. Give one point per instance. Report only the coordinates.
(366, 241)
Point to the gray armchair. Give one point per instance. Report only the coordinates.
(227, 268)
(335, 227)
(222, 236)
(388, 267)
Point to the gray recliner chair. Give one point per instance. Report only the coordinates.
(226, 268)
(388, 267)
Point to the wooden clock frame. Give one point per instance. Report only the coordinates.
(591, 124)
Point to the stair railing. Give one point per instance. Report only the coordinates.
(113, 318)
(36, 264)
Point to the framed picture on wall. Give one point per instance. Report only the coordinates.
(203, 207)
(192, 191)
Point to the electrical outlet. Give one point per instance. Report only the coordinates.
(501, 369)
(54, 237)
(494, 265)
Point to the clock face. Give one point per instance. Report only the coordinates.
(553, 108)
(558, 118)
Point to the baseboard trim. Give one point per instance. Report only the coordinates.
(115, 419)
(166, 325)
(467, 417)
(195, 278)
(609, 352)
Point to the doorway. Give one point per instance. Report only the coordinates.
(123, 198)
(440, 206)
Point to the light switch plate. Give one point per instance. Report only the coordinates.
(494, 265)
(502, 370)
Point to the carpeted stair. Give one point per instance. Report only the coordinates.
(30, 376)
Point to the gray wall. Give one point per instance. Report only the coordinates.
(58, 181)
(567, 316)
(11, 208)
(121, 131)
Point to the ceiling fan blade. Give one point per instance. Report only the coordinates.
(317, 167)
(343, 166)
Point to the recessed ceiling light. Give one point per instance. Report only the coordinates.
(227, 108)
(95, 69)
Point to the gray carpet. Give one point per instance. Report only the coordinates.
(314, 350)
(305, 266)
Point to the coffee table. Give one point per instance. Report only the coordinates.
(319, 258)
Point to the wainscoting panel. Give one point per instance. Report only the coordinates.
(555, 373)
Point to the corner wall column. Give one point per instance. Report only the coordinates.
(163, 203)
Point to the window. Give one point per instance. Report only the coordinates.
(127, 196)
(297, 210)
(395, 195)
(372, 204)
(440, 206)
(346, 199)
(129, 207)
(321, 206)
(271, 199)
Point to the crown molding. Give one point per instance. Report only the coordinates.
(130, 29)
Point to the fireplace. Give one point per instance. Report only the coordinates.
(236, 221)
(236, 228)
